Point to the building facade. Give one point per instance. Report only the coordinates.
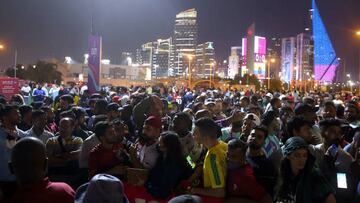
(205, 60)
(235, 61)
(184, 42)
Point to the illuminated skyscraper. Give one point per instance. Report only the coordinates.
(234, 61)
(205, 60)
(325, 59)
(184, 42)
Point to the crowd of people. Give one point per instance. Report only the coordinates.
(63, 144)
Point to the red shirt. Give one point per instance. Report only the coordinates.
(101, 159)
(242, 183)
(44, 192)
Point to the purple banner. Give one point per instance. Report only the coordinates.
(94, 63)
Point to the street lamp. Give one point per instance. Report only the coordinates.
(211, 71)
(2, 46)
(190, 57)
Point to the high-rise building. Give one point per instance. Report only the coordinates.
(156, 55)
(184, 42)
(256, 64)
(288, 59)
(126, 58)
(205, 60)
(235, 61)
(161, 58)
(304, 56)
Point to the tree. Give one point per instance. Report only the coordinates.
(44, 72)
(276, 84)
(41, 72)
(247, 79)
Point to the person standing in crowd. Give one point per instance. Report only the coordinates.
(308, 112)
(63, 149)
(214, 169)
(241, 181)
(29, 165)
(352, 115)
(264, 168)
(301, 181)
(9, 134)
(99, 111)
(26, 120)
(26, 91)
(50, 119)
(110, 155)
(329, 110)
(171, 167)
(79, 130)
(298, 126)
(250, 121)
(113, 112)
(38, 128)
(182, 125)
(65, 104)
(144, 153)
(38, 94)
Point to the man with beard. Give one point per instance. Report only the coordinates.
(240, 172)
(263, 167)
(109, 156)
(308, 112)
(352, 115)
(330, 157)
(144, 153)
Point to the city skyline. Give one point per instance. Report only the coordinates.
(223, 23)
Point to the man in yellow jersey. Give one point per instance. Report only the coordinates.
(214, 169)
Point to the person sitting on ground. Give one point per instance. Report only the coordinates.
(109, 156)
(171, 167)
(144, 153)
(38, 128)
(29, 165)
(214, 169)
(300, 180)
(241, 181)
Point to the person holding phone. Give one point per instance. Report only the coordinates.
(332, 160)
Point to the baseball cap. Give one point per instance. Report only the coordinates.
(254, 118)
(154, 121)
(112, 107)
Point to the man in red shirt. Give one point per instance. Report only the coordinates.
(29, 165)
(109, 156)
(241, 182)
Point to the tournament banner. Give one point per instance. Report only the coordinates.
(94, 63)
(9, 87)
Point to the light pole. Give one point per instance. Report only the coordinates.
(15, 63)
(211, 71)
(358, 35)
(190, 58)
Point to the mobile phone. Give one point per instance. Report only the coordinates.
(341, 180)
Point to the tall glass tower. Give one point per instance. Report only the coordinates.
(184, 43)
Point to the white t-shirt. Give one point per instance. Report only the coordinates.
(26, 90)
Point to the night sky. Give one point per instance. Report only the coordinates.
(46, 29)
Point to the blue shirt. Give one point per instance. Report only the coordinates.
(39, 95)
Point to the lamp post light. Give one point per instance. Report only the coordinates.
(190, 57)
